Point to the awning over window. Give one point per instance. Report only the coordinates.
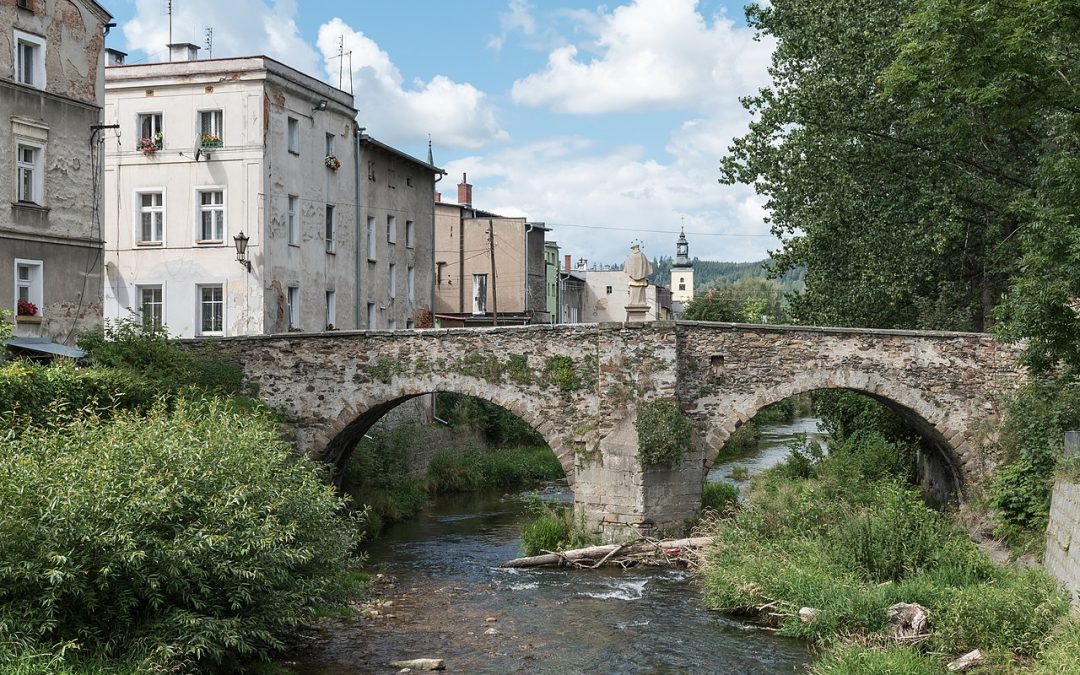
(44, 346)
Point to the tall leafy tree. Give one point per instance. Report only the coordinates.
(1001, 80)
(893, 213)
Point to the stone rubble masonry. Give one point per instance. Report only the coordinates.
(333, 386)
(1062, 558)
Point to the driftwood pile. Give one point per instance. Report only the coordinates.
(665, 553)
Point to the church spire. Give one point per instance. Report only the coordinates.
(430, 157)
(682, 250)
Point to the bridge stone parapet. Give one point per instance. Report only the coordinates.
(580, 386)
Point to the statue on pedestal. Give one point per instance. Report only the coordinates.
(638, 269)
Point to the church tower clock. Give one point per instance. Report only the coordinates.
(682, 272)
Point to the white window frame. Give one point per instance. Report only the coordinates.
(200, 297)
(331, 309)
(294, 220)
(141, 294)
(480, 286)
(331, 228)
(35, 285)
(37, 45)
(292, 307)
(156, 126)
(410, 283)
(138, 213)
(372, 316)
(392, 280)
(410, 234)
(292, 135)
(203, 209)
(216, 127)
(372, 239)
(391, 229)
(330, 145)
(37, 173)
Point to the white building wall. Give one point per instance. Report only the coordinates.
(600, 305)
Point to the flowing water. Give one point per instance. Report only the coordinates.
(449, 599)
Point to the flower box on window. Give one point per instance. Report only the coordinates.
(148, 146)
(332, 163)
(26, 312)
(208, 141)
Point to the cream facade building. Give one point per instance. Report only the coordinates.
(51, 95)
(209, 150)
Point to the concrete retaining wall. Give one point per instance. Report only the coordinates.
(1063, 538)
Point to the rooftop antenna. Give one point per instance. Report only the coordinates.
(341, 64)
(169, 6)
(209, 42)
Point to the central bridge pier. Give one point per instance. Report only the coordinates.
(581, 386)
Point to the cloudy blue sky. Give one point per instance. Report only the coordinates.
(606, 121)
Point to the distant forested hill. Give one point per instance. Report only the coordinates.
(710, 272)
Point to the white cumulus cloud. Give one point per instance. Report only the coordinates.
(648, 55)
(455, 114)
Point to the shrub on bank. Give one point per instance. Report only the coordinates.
(493, 469)
(553, 528)
(719, 496)
(181, 538)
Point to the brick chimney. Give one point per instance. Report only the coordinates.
(464, 192)
(566, 262)
(438, 197)
(183, 51)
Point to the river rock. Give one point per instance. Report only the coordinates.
(908, 619)
(491, 631)
(808, 614)
(967, 661)
(420, 664)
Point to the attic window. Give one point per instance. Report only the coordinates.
(24, 4)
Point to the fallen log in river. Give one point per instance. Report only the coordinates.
(644, 551)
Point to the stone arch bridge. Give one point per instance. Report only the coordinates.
(580, 386)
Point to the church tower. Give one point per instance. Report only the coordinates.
(682, 272)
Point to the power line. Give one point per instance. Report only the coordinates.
(630, 229)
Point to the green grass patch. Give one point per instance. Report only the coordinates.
(719, 496)
(553, 527)
(493, 469)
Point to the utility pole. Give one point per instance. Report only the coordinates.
(494, 284)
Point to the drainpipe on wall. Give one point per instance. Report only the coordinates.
(528, 229)
(438, 177)
(357, 253)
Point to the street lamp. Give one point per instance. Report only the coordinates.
(241, 241)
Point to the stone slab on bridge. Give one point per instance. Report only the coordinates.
(580, 386)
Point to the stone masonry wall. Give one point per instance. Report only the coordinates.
(1063, 538)
(580, 386)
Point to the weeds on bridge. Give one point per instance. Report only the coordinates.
(664, 433)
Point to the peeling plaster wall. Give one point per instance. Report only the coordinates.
(61, 232)
(1063, 538)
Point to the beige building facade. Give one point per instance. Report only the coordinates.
(51, 95)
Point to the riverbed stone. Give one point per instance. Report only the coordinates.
(581, 386)
(420, 664)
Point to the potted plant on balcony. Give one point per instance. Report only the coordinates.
(210, 141)
(26, 312)
(332, 163)
(149, 145)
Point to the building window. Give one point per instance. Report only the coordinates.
(329, 145)
(479, 292)
(292, 307)
(151, 306)
(151, 218)
(392, 324)
(371, 240)
(329, 228)
(410, 283)
(410, 234)
(211, 216)
(30, 173)
(391, 179)
(371, 171)
(294, 220)
(372, 318)
(211, 132)
(29, 59)
(393, 280)
(682, 286)
(294, 136)
(391, 229)
(409, 325)
(331, 310)
(408, 182)
(609, 290)
(151, 131)
(29, 286)
(211, 310)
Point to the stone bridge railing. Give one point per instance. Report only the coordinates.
(580, 386)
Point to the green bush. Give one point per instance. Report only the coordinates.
(180, 538)
(497, 468)
(664, 433)
(499, 425)
(719, 496)
(553, 527)
(377, 476)
(36, 395)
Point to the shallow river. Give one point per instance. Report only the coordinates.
(450, 600)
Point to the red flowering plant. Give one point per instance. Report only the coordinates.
(26, 308)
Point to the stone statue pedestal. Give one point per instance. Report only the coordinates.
(638, 313)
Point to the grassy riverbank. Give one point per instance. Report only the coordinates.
(845, 536)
